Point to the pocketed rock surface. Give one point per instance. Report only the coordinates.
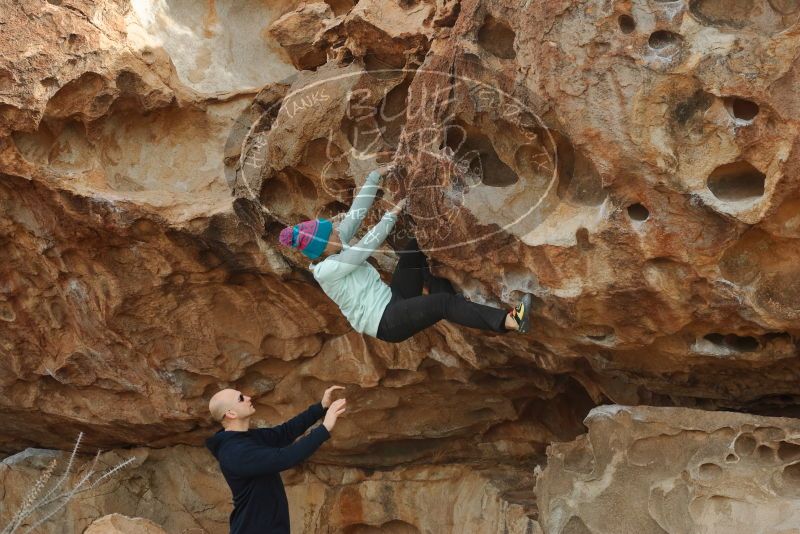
(668, 470)
(632, 164)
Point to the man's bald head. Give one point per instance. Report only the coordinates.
(221, 403)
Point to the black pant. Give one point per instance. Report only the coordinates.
(410, 311)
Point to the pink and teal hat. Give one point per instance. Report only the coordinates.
(309, 237)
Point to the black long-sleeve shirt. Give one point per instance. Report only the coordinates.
(251, 463)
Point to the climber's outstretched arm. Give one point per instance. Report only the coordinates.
(346, 262)
(361, 204)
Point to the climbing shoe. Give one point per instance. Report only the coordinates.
(522, 314)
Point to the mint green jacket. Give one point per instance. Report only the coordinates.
(352, 283)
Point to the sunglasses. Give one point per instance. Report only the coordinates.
(240, 399)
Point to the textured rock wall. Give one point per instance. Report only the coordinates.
(632, 163)
(181, 489)
(668, 470)
(638, 470)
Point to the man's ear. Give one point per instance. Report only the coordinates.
(231, 414)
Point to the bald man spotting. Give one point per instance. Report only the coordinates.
(251, 459)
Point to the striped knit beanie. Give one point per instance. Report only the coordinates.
(309, 237)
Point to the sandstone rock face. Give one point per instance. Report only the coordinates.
(638, 470)
(178, 488)
(120, 524)
(181, 489)
(649, 470)
(633, 164)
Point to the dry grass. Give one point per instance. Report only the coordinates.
(59, 494)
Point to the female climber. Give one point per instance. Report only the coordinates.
(393, 312)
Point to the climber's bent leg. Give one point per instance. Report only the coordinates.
(409, 275)
(439, 285)
(405, 317)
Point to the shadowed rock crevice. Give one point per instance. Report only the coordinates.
(737, 182)
(742, 109)
(733, 342)
(578, 179)
(497, 37)
(391, 112)
(664, 41)
(473, 150)
(626, 23)
(638, 212)
(395, 527)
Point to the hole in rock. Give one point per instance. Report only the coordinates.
(597, 332)
(391, 113)
(736, 181)
(340, 7)
(575, 525)
(765, 453)
(582, 237)
(777, 337)
(407, 4)
(739, 108)
(476, 157)
(736, 13)
(392, 527)
(497, 38)
(744, 445)
(275, 194)
(626, 23)
(710, 471)
(734, 342)
(788, 451)
(791, 474)
(54, 2)
(637, 212)
(731, 458)
(785, 7)
(664, 40)
(742, 343)
(578, 179)
(302, 183)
